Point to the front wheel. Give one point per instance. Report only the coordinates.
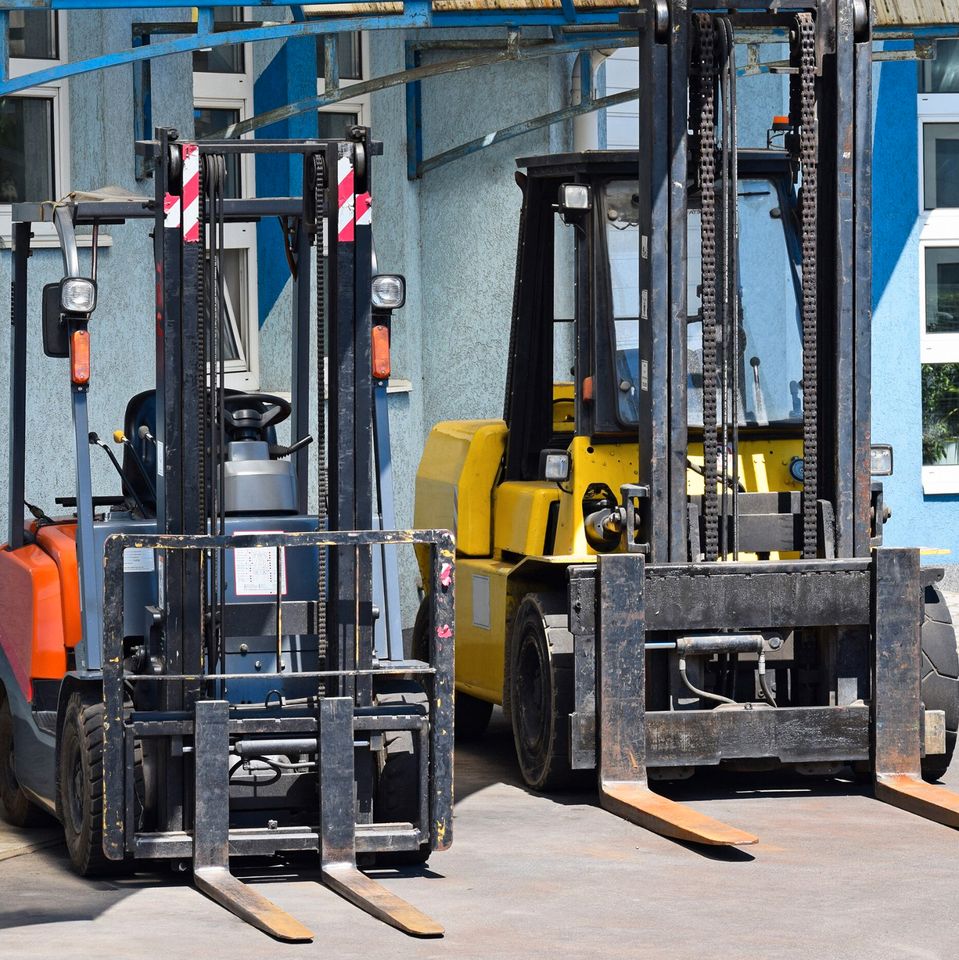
(541, 691)
(81, 786)
(940, 676)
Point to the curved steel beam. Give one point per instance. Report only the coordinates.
(511, 52)
(415, 14)
(518, 129)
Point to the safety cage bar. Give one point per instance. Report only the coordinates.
(333, 729)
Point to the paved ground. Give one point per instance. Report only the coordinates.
(836, 875)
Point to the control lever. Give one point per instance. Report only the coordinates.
(277, 450)
(95, 440)
(144, 434)
(120, 437)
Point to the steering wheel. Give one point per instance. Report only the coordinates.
(249, 414)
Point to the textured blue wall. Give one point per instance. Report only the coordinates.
(917, 520)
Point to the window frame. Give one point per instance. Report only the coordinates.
(234, 91)
(939, 228)
(361, 104)
(57, 91)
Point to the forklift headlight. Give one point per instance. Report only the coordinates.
(880, 460)
(389, 291)
(554, 465)
(78, 295)
(575, 196)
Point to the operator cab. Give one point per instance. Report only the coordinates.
(579, 304)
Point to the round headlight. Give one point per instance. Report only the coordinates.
(389, 291)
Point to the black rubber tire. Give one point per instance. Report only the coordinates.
(18, 809)
(471, 715)
(81, 787)
(940, 676)
(541, 691)
(397, 783)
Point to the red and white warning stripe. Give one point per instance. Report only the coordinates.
(363, 210)
(171, 211)
(345, 200)
(191, 193)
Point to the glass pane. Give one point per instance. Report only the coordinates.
(940, 413)
(349, 56)
(209, 120)
(32, 34)
(940, 164)
(770, 341)
(333, 126)
(26, 131)
(564, 291)
(234, 300)
(622, 244)
(942, 289)
(228, 59)
(942, 74)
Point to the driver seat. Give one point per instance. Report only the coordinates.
(263, 485)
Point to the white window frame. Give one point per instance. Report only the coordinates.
(234, 91)
(361, 104)
(45, 234)
(939, 227)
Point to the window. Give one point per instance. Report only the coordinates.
(229, 59)
(940, 165)
(223, 95)
(34, 132)
(352, 56)
(349, 56)
(942, 74)
(938, 110)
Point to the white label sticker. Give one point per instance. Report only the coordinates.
(644, 375)
(254, 568)
(138, 560)
(159, 459)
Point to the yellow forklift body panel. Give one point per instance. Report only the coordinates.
(502, 528)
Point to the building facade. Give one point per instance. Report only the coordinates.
(451, 232)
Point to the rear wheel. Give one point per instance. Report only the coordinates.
(541, 691)
(940, 676)
(471, 715)
(18, 809)
(397, 798)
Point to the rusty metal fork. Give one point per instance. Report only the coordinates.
(623, 786)
(897, 706)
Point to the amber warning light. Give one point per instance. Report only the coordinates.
(80, 357)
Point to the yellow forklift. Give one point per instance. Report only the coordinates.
(669, 550)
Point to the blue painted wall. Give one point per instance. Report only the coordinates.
(917, 520)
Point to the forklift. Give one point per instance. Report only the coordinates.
(669, 549)
(191, 669)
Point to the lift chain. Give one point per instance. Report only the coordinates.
(705, 111)
(808, 155)
(319, 213)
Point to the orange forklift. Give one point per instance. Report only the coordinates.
(188, 665)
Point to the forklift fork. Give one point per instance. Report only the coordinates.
(623, 785)
(896, 692)
(211, 833)
(337, 830)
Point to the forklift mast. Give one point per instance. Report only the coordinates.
(688, 83)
